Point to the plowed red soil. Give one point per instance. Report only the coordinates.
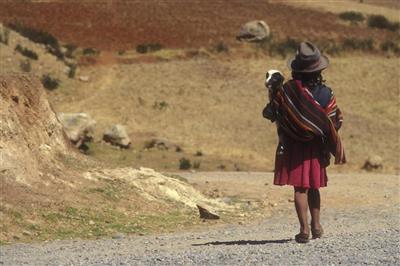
(174, 23)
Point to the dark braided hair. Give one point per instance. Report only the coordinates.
(310, 80)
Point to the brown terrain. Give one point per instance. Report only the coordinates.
(206, 102)
(122, 25)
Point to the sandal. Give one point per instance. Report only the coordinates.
(302, 238)
(317, 233)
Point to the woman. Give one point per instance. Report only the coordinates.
(307, 119)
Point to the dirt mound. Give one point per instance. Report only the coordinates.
(30, 135)
(117, 25)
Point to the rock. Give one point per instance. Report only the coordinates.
(118, 236)
(253, 31)
(26, 233)
(84, 78)
(116, 135)
(206, 214)
(374, 162)
(79, 127)
(162, 144)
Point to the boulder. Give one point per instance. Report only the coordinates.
(79, 127)
(253, 31)
(206, 214)
(116, 135)
(374, 162)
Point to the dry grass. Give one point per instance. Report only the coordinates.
(215, 105)
(339, 6)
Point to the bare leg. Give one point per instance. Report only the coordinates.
(314, 203)
(301, 204)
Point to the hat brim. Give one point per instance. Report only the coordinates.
(324, 63)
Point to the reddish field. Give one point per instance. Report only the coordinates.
(174, 23)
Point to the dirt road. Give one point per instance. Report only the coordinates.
(360, 217)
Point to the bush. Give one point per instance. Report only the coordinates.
(198, 153)
(41, 37)
(358, 44)
(283, 48)
(184, 164)
(90, 51)
(352, 16)
(70, 50)
(196, 165)
(72, 71)
(25, 65)
(221, 47)
(148, 48)
(5, 35)
(26, 52)
(381, 22)
(390, 46)
(49, 82)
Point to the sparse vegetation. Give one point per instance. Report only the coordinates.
(49, 82)
(221, 47)
(390, 46)
(5, 35)
(90, 52)
(358, 44)
(148, 48)
(25, 65)
(282, 48)
(26, 52)
(160, 105)
(184, 164)
(71, 48)
(352, 16)
(72, 71)
(41, 37)
(381, 22)
(196, 164)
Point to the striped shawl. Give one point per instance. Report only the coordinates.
(302, 118)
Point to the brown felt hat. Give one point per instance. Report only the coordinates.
(308, 59)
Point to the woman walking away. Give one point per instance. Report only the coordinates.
(307, 120)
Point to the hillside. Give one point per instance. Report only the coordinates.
(122, 25)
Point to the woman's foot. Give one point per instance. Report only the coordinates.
(302, 237)
(317, 232)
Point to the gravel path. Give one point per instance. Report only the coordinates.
(368, 235)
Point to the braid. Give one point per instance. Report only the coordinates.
(311, 80)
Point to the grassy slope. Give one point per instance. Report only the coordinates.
(215, 105)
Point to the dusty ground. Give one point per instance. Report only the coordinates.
(361, 227)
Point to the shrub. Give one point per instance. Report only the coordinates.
(72, 71)
(221, 47)
(390, 46)
(184, 164)
(199, 153)
(49, 82)
(90, 51)
(70, 50)
(352, 16)
(283, 48)
(381, 22)
(25, 65)
(160, 105)
(26, 52)
(358, 44)
(5, 35)
(148, 48)
(38, 36)
(196, 165)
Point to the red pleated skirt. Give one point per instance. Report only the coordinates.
(301, 165)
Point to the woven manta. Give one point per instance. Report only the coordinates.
(300, 116)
